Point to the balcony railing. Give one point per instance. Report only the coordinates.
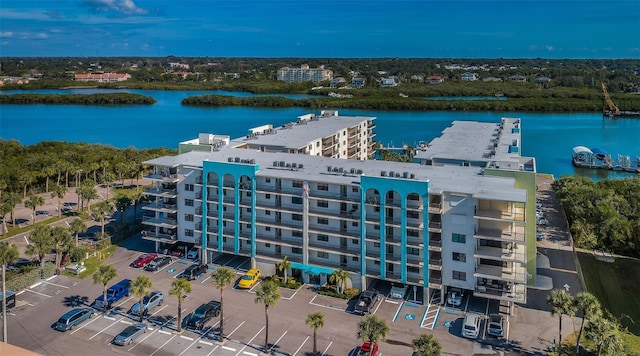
(512, 273)
(170, 208)
(161, 192)
(435, 208)
(163, 177)
(499, 215)
(509, 292)
(166, 223)
(516, 234)
(511, 252)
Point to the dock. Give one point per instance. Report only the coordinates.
(596, 158)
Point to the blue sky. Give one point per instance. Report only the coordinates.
(329, 28)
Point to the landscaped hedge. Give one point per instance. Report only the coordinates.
(330, 290)
(22, 281)
(291, 282)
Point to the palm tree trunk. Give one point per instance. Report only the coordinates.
(141, 309)
(579, 335)
(58, 258)
(4, 304)
(179, 314)
(104, 295)
(559, 346)
(221, 314)
(77, 239)
(266, 334)
(315, 350)
(102, 227)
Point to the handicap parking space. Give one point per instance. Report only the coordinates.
(409, 314)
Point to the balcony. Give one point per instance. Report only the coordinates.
(499, 215)
(164, 223)
(161, 207)
(511, 273)
(435, 282)
(509, 252)
(435, 245)
(163, 177)
(435, 226)
(435, 264)
(435, 207)
(507, 292)
(158, 237)
(515, 234)
(162, 192)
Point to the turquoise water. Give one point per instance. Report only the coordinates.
(548, 137)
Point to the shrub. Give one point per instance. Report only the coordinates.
(331, 291)
(76, 254)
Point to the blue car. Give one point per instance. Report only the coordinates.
(129, 334)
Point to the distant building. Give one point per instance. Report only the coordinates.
(304, 74)
(468, 76)
(337, 82)
(389, 82)
(492, 79)
(358, 82)
(175, 65)
(518, 78)
(417, 77)
(102, 77)
(13, 80)
(434, 79)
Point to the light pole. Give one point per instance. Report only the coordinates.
(78, 172)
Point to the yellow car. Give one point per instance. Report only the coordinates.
(249, 279)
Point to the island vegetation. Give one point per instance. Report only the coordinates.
(81, 99)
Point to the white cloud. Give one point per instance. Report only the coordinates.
(6, 34)
(549, 48)
(41, 35)
(127, 7)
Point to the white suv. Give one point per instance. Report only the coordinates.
(471, 326)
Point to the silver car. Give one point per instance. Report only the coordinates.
(129, 334)
(149, 302)
(496, 325)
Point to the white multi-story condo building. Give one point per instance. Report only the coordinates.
(462, 215)
(304, 74)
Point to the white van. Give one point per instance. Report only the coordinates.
(471, 326)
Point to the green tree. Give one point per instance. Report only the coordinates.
(122, 203)
(140, 288)
(62, 242)
(103, 276)
(4, 210)
(589, 306)
(269, 295)
(426, 345)
(315, 320)
(48, 172)
(136, 197)
(606, 335)
(33, 203)
(59, 192)
(372, 329)
(100, 212)
(12, 199)
(77, 227)
(283, 266)
(41, 242)
(87, 192)
(561, 304)
(340, 278)
(8, 254)
(222, 277)
(180, 287)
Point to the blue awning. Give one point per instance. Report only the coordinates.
(314, 270)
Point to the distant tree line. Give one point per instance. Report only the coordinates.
(33, 169)
(82, 99)
(602, 215)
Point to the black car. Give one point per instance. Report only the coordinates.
(158, 263)
(203, 314)
(194, 271)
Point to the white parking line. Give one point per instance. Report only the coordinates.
(280, 338)
(301, 345)
(327, 349)
(20, 292)
(126, 322)
(57, 285)
(35, 285)
(50, 278)
(161, 346)
(164, 332)
(199, 339)
(26, 240)
(109, 317)
(85, 324)
(249, 353)
(99, 332)
(146, 337)
(205, 342)
(159, 310)
(206, 279)
(294, 294)
(250, 341)
(378, 307)
(323, 306)
(32, 291)
(163, 268)
(234, 330)
(229, 348)
(391, 301)
(186, 337)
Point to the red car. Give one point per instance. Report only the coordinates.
(144, 260)
(365, 350)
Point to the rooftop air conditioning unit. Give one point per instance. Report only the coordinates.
(391, 174)
(252, 161)
(294, 165)
(281, 163)
(398, 175)
(359, 171)
(288, 165)
(405, 174)
(352, 170)
(230, 159)
(329, 168)
(340, 169)
(300, 166)
(383, 173)
(275, 163)
(412, 176)
(237, 159)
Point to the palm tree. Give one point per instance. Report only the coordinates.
(589, 306)
(315, 321)
(8, 254)
(41, 242)
(59, 192)
(340, 278)
(48, 172)
(76, 227)
(4, 210)
(122, 203)
(269, 295)
(283, 266)
(221, 278)
(104, 275)
(140, 287)
(561, 303)
(136, 197)
(371, 329)
(106, 178)
(87, 192)
(12, 199)
(179, 288)
(100, 212)
(62, 241)
(605, 334)
(33, 203)
(426, 345)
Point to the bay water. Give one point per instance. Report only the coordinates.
(549, 137)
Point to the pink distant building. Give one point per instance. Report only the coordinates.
(103, 78)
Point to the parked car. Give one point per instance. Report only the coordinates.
(541, 221)
(471, 326)
(144, 260)
(250, 278)
(496, 325)
(366, 302)
(73, 317)
(366, 349)
(201, 316)
(158, 263)
(454, 297)
(539, 236)
(194, 271)
(129, 334)
(155, 299)
(193, 253)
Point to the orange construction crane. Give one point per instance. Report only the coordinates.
(613, 109)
